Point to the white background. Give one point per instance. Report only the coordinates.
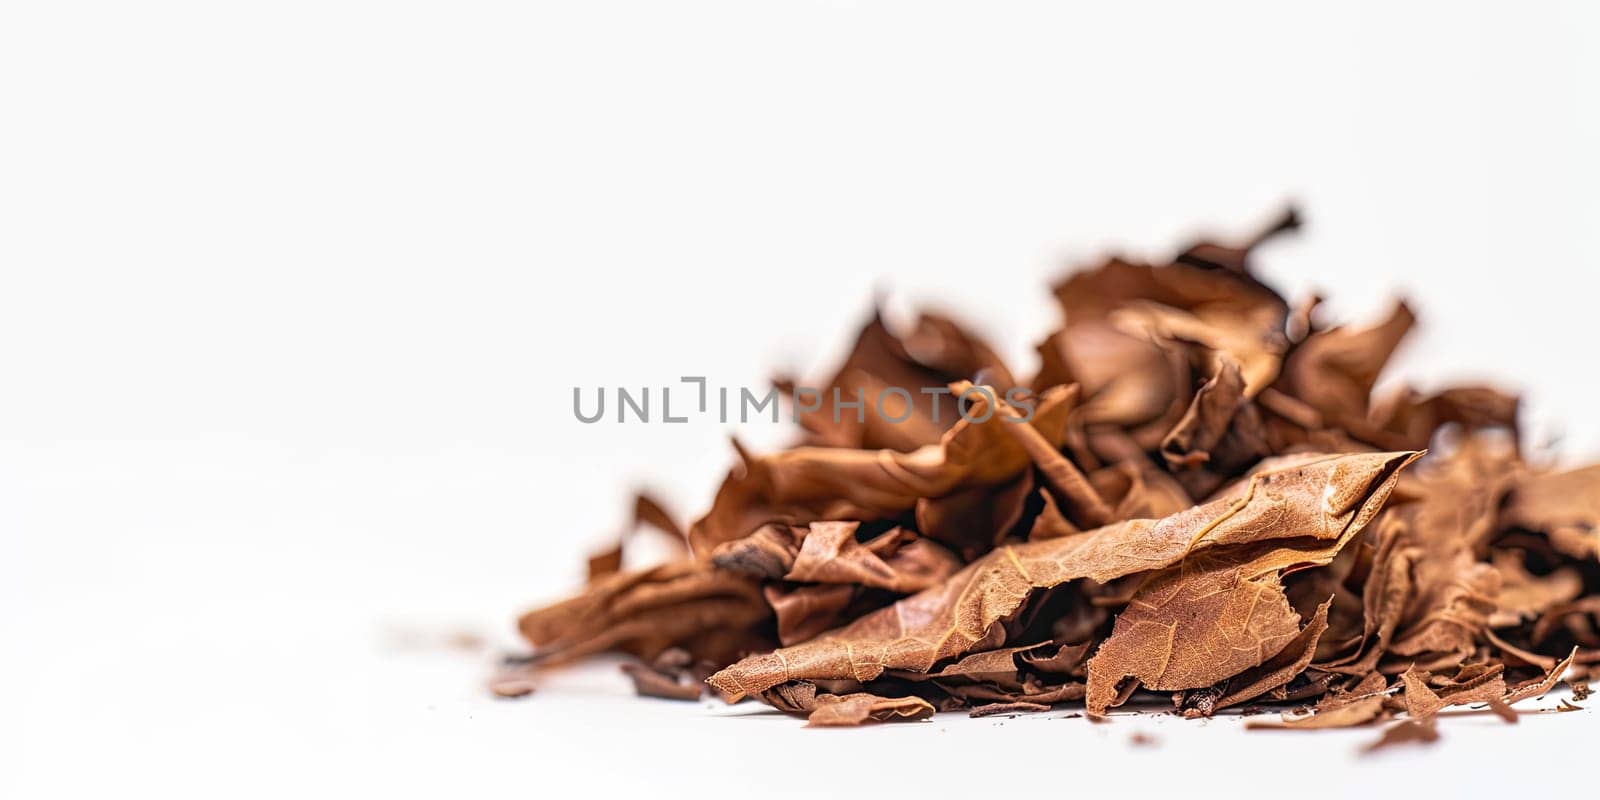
(293, 296)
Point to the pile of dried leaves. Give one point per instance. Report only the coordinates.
(1207, 502)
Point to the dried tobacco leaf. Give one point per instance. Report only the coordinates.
(828, 552)
(993, 709)
(649, 682)
(1524, 595)
(512, 686)
(1316, 500)
(805, 612)
(1407, 417)
(1194, 625)
(1334, 370)
(1423, 700)
(1384, 596)
(1209, 418)
(855, 709)
(1539, 688)
(937, 352)
(1356, 711)
(1458, 510)
(1279, 670)
(908, 564)
(1197, 493)
(808, 484)
(1565, 506)
(646, 611)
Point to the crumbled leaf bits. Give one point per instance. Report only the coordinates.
(1007, 709)
(669, 677)
(1196, 494)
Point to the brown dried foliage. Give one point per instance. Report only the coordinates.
(1200, 497)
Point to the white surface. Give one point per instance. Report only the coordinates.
(294, 296)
